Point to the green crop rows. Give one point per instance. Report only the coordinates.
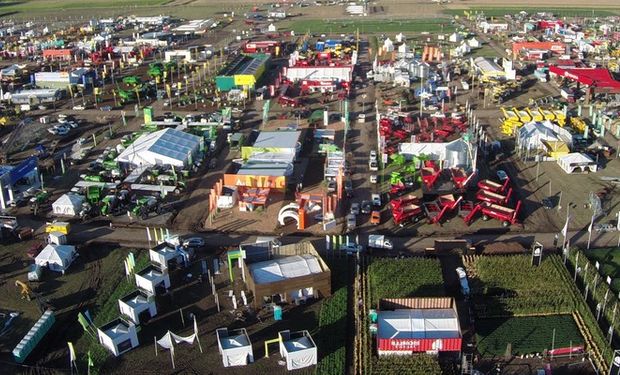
(399, 278)
(560, 12)
(332, 335)
(527, 335)
(369, 27)
(406, 365)
(510, 285)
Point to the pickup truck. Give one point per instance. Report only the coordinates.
(376, 241)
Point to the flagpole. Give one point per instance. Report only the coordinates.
(590, 231)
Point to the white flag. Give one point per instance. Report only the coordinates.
(565, 229)
(72, 356)
(591, 224)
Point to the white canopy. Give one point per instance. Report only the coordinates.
(56, 257)
(577, 163)
(299, 351)
(68, 205)
(418, 324)
(164, 147)
(532, 134)
(284, 268)
(236, 348)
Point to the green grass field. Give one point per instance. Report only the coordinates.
(561, 12)
(609, 259)
(526, 334)
(367, 27)
(54, 5)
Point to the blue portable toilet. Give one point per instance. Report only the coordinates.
(277, 312)
(320, 46)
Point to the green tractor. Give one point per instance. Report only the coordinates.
(132, 80)
(93, 194)
(109, 203)
(156, 69)
(127, 96)
(145, 205)
(38, 200)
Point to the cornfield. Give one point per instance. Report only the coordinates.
(410, 277)
(420, 364)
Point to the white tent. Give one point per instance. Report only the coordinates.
(531, 135)
(235, 347)
(68, 205)
(164, 147)
(298, 349)
(56, 257)
(577, 163)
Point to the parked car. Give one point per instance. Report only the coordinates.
(373, 166)
(348, 188)
(106, 108)
(355, 209)
(502, 175)
(79, 108)
(351, 248)
(366, 207)
(373, 178)
(351, 222)
(376, 200)
(605, 228)
(373, 155)
(194, 242)
(375, 218)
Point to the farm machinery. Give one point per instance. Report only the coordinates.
(145, 205)
(492, 186)
(515, 118)
(491, 197)
(437, 209)
(489, 210)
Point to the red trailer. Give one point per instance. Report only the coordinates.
(397, 189)
(489, 210)
(430, 173)
(404, 200)
(493, 186)
(460, 177)
(404, 214)
(491, 197)
(436, 209)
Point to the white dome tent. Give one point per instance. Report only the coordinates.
(68, 205)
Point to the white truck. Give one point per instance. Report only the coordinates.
(376, 241)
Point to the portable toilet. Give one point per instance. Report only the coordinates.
(277, 313)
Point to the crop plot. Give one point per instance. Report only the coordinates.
(398, 278)
(510, 285)
(531, 334)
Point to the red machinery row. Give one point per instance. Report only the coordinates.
(492, 202)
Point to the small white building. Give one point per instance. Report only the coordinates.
(56, 238)
(455, 38)
(474, 43)
(138, 306)
(151, 279)
(56, 258)
(272, 28)
(298, 349)
(118, 336)
(68, 205)
(234, 346)
(165, 255)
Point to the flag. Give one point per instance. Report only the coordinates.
(591, 224)
(148, 234)
(83, 321)
(565, 229)
(72, 357)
